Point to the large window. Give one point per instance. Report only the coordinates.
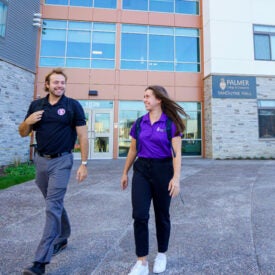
(264, 42)
(3, 18)
(191, 142)
(77, 44)
(160, 48)
(110, 4)
(129, 111)
(168, 6)
(266, 112)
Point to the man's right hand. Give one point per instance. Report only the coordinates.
(34, 117)
(26, 126)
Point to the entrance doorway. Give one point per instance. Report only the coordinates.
(100, 134)
(99, 117)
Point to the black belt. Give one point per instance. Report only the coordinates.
(54, 155)
(154, 160)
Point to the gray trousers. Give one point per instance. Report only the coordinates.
(52, 178)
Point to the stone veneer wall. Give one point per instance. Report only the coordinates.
(16, 93)
(231, 125)
(208, 144)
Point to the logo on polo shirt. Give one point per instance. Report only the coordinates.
(61, 111)
(160, 130)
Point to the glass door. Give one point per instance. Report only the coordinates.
(100, 134)
(99, 120)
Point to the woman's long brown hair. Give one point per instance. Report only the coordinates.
(169, 106)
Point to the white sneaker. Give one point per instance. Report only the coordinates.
(160, 263)
(139, 269)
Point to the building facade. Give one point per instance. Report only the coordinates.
(239, 78)
(216, 59)
(18, 39)
(112, 50)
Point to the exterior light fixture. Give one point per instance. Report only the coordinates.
(37, 20)
(93, 92)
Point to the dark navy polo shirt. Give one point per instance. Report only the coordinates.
(56, 132)
(153, 140)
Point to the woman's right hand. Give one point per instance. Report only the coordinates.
(124, 181)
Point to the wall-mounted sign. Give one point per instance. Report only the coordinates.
(233, 86)
(96, 104)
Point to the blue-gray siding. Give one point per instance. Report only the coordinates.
(19, 45)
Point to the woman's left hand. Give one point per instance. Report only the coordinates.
(174, 187)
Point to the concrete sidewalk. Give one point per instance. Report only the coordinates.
(226, 225)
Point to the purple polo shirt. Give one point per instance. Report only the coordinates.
(153, 141)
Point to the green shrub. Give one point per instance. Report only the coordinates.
(17, 173)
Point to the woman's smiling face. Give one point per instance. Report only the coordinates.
(150, 100)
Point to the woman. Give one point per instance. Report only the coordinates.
(156, 174)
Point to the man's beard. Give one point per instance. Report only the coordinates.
(58, 94)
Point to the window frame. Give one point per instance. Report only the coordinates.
(190, 141)
(267, 108)
(91, 5)
(69, 26)
(149, 32)
(5, 6)
(268, 33)
(175, 7)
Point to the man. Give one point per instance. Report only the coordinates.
(57, 121)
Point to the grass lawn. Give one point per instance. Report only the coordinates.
(16, 174)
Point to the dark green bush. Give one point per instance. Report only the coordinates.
(15, 174)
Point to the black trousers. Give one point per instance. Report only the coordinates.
(150, 182)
